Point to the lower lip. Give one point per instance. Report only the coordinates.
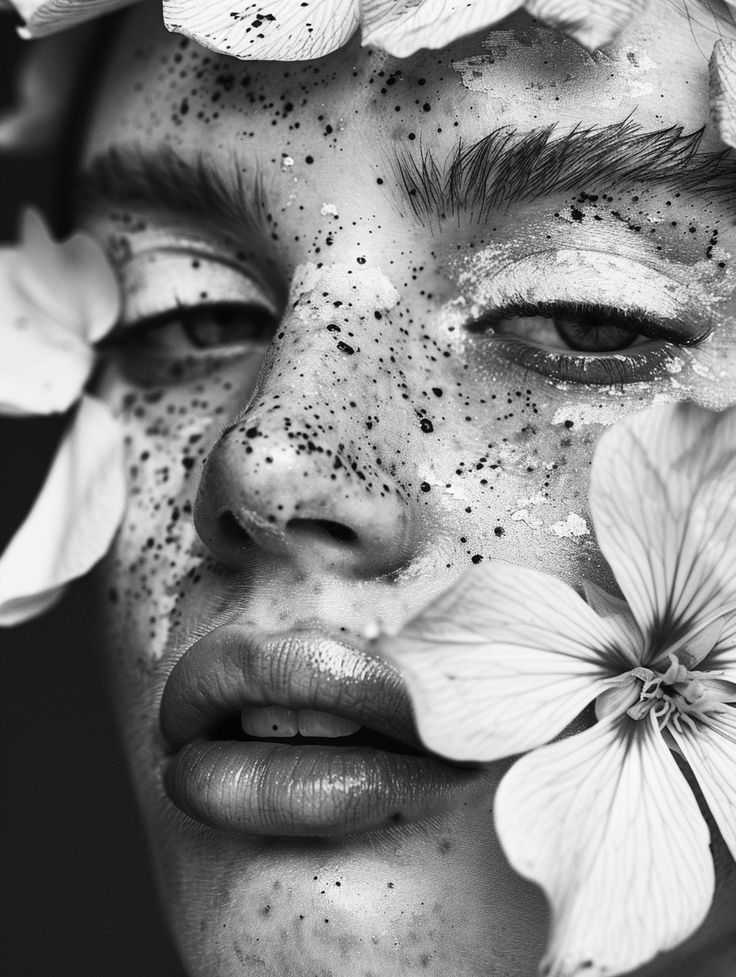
(270, 788)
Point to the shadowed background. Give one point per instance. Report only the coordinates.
(78, 893)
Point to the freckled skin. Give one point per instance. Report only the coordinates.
(375, 409)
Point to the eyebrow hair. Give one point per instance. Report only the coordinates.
(505, 168)
(131, 176)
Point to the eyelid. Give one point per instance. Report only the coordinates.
(570, 277)
(161, 279)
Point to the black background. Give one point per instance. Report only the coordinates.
(77, 891)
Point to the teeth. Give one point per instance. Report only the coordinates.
(273, 721)
(314, 723)
(269, 721)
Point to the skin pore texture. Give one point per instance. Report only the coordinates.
(381, 401)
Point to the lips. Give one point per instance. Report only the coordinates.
(294, 785)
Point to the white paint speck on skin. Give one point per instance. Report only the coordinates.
(522, 515)
(535, 55)
(328, 210)
(570, 528)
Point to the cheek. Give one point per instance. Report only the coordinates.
(169, 431)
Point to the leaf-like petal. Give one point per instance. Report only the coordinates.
(605, 823)
(402, 27)
(73, 520)
(502, 662)
(710, 749)
(265, 30)
(664, 510)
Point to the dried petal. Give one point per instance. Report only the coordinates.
(72, 522)
(265, 30)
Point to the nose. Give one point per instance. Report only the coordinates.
(298, 476)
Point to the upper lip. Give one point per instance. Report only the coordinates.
(235, 666)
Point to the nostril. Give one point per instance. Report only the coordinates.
(336, 532)
(231, 530)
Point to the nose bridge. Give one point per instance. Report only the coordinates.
(300, 473)
(330, 341)
(320, 390)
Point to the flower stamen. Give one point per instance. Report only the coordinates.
(677, 696)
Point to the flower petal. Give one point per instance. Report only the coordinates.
(72, 281)
(722, 658)
(723, 90)
(55, 299)
(592, 23)
(50, 16)
(73, 520)
(605, 823)
(402, 27)
(618, 615)
(664, 512)
(710, 749)
(265, 30)
(502, 662)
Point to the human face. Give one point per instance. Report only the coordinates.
(381, 401)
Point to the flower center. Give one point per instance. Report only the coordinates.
(677, 696)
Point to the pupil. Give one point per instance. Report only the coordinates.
(228, 325)
(594, 335)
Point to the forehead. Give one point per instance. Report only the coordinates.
(163, 88)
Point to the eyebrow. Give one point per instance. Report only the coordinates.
(505, 168)
(163, 180)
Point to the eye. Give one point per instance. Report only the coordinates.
(225, 327)
(584, 343)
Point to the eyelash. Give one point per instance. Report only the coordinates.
(254, 325)
(606, 367)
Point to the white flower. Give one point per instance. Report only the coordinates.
(56, 301)
(604, 820)
(287, 30)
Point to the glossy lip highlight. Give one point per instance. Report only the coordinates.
(261, 787)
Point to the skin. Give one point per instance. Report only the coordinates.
(433, 461)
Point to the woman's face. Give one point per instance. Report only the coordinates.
(376, 316)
